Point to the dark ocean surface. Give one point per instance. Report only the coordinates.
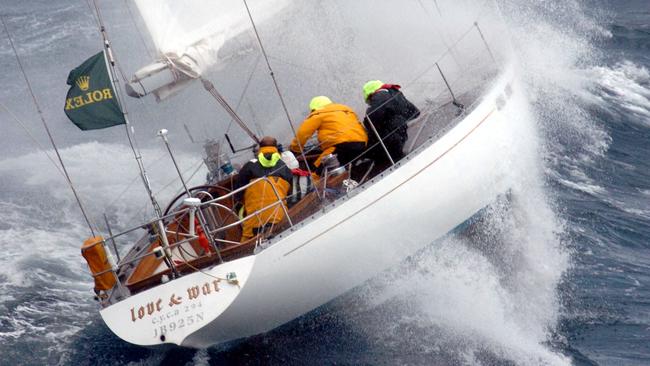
(575, 289)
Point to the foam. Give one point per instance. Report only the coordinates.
(625, 85)
(201, 358)
(592, 189)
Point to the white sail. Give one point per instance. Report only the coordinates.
(188, 35)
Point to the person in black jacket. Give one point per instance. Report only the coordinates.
(388, 111)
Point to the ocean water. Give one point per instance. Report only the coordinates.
(556, 276)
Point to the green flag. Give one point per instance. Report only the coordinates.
(90, 103)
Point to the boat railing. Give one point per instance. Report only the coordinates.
(164, 250)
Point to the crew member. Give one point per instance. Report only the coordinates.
(388, 111)
(261, 194)
(339, 131)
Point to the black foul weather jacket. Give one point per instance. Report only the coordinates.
(253, 170)
(389, 112)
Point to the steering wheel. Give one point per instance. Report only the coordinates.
(225, 215)
(206, 187)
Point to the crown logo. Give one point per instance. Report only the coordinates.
(83, 82)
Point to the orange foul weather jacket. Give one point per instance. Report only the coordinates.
(335, 123)
(262, 194)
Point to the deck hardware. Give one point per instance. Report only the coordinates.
(231, 277)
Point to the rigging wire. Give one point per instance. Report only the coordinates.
(47, 129)
(243, 93)
(90, 8)
(443, 35)
(196, 170)
(135, 25)
(435, 2)
(424, 8)
(161, 190)
(135, 179)
(293, 64)
(277, 89)
(447, 51)
(268, 64)
(34, 139)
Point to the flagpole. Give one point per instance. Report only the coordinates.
(108, 57)
(47, 129)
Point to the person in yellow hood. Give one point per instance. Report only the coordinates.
(339, 131)
(263, 193)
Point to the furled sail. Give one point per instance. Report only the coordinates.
(188, 35)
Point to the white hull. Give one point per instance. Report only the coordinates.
(423, 199)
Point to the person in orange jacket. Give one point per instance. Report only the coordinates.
(263, 193)
(339, 131)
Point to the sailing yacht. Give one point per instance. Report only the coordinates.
(349, 226)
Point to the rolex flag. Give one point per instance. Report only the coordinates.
(90, 103)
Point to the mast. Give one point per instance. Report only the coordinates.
(130, 132)
(47, 129)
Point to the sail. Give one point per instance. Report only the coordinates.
(188, 35)
(175, 26)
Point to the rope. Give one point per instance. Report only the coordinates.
(47, 129)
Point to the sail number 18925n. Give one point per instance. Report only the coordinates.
(187, 316)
